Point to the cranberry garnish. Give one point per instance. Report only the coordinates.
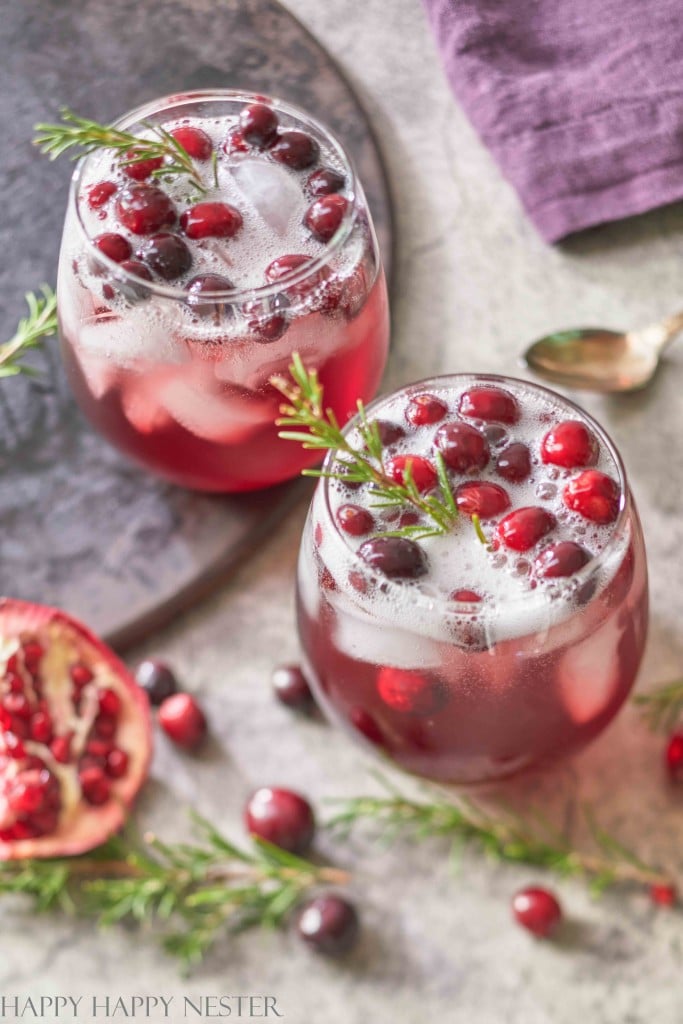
(259, 124)
(295, 149)
(100, 193)
(328, 924)
(291, 689)
(267, 320)
(157, 680)
(422, 472)
(524, 527)
(166, 254)
(194, 141)
(134, 292)
(562, 559)
(396, 557)
(355, 520)
(389, 433)
(423, 409)
(114, 247)
(463, 448)
(471, 596)
(481, 499)
(489, 403)
(282, 266)
(514, 462)
(593, 495)
(569, 444)
(209, 284)
(183, 720)
(235, 142)
(674, 756)
(537, 910)
(410, 692)
(324, 216)
(140, 169)
(281, 817)
(664, 895)
(325, 181)
(211, 220)
(143, 209)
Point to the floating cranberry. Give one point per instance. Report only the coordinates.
(204, 285)
(134, 292)
(410, 692)
(419, 469)
(664, 895)
(324, 216)
(674, 756)
(562, 559)
(489, 403)
(281, 817)
(524, 527)
(325, 181)
(100, 193)
(328, 924)
(470, 596)
(514, 462)
(211, 220)
(295, 149)
(194, 141)
(291, 688)
(144, 209)
(463, 448)
(424, 409)
(593, 495)
(389, 433)
(537, 910)
(270, 329)
(182, 719)
(235, 142)
(569, 444)
(481, 499)
(395, 557)
(283, 266)
(355, 520)
(114, 247)
(140, 169)
(166, 254)
(259, 125)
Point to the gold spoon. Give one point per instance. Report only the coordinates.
(595, 359)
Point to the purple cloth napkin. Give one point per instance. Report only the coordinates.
(580, 101)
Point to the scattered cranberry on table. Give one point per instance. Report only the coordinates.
(281, 817)
(664, 895)
(328, 924)
(291, 689)
(157, 679)
(183, 720)
(537, 910)
(674, 756)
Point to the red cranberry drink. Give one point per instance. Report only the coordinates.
(502, 643)
(180, 296)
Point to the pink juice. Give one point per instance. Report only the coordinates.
(466, 661)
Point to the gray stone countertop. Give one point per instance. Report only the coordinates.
(474, 283)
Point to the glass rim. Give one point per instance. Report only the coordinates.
(448, 605)
(178, 101)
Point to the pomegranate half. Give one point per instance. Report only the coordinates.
(75, 735)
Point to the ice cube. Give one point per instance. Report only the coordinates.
(141, 406)
(368, 638)
(127, 341)
(589, 674)
(226, 418)
(271, 190)
(100, 374)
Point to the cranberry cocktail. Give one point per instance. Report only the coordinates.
(180, 296)
(511, 638)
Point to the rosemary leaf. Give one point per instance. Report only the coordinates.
(40, 323)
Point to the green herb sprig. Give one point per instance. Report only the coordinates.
(41, 322)
(662, 708)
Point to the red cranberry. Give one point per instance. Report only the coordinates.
(395, 557)
(211, 220)
(463, 448)
(194, 141)
(423, 409)
(562, 559)
(481, 499)
(325, 215)
(328, 924)
(156, 679)
(141, 169)
(291, 688)
(283, 266)
(410, 692)
(295, 149)
(664, 895)
(166, 254)
(209, 284)
(183, 720)
(259, 125)
(134, 292)
(470, 596)
(100, 193)
(355, 520)
(365, 724)
(489, 403)
(235, 142)
(388, 432)
(674, 756)
(325, 181)
(569, 444)
(420, 470)
(281, 817)
(537, 910)
(115, 247)
(524, 527)
(514, 462)
(593, 495)
(144, 209)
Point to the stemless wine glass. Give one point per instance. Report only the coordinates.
(463, 662)
(169, 346)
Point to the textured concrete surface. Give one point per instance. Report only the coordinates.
(474, 284)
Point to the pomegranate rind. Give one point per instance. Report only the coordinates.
(88, 826)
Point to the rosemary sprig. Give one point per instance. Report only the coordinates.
(41, 322)
(86, 136)
(507, 836)
(662, 708)
(319, 430)
(190, 892)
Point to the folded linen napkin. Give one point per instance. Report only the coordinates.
(579, 101)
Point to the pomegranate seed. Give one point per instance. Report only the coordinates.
(81, 675)
(410, 692)
(23, 830)
(27, 794)
(13, 663)
(117, 763)
(194, 141)
(295, 149)
(40, 728)
(593, 495)
(98, 748)
(110, 703)
(569, 444)
(395, 557)
(33, 654)
(99, 194)
(211, 220)
(328, 924)
(421, 471)
(16, 704)
(664, 895)
(674, 756)
(489, 403)
(15, 682)
(388, 432)
(323, 218)
(355, 520)
(141, 169)
(325, 181)
(537, 910)
(235, 142)
(481, 499)
(104, 727)
(166, 254)
(183, 720)
(514, 462)
(281, 817)
(14, 748)
(44, 822)
(562, 559)
(462, 447)
(144, 209)
(291, 689)
(259, 124)
(61, 748)
(157, 680)
(423, 409)
(95, 786)
(466, 595)
(114, 247)
(524, 527)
